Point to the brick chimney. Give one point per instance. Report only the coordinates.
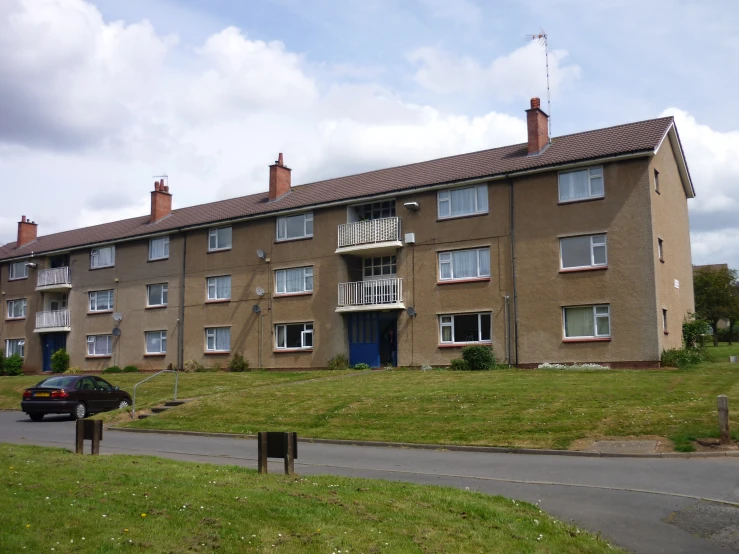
(279, 179)
(538, 126)
(27, 232)
(161, 201)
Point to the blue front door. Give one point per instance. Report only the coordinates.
(50, 343)
(364, 346)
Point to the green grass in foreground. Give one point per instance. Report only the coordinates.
(55, 500)
(160, 388)
(515, 408)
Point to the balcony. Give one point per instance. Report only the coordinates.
(53, 279)
(371, 237)
(383, 294)
(52, 322)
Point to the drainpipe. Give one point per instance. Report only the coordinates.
(181, 320)
(513, 264)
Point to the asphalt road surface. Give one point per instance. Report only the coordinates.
(651, 505)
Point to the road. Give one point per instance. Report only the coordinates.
(627, 500)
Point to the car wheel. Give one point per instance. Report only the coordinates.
(80, 411)
(124, 404)
(36, 417)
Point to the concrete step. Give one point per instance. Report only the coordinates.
(173, 403)
(159, 409)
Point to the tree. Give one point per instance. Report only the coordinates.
(733, 316)
(715, 295)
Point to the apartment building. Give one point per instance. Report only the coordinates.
(574, 249)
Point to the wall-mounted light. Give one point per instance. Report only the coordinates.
(256, 309)
(411, 311)
(412, 206)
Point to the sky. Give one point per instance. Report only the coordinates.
(98, 97)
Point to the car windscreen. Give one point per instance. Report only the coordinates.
(58, 383)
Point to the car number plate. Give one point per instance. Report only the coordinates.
(39, 394)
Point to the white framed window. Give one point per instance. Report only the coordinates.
(156, 342)
(219, 239)
(17, 270)
(17, 308)
(101, 300)
(218, 339)
(102, 257)
(465, 328)
(159, 248)
(661, 250)
(378, 267)
(99, 345)
(295, 226)
(664, 320)
(376, 210)
(584, 251)
(15, 346)
(583, 322)
(294, 336)
(464, 264)
(581, 184)
(656, 181)
(295, 280)
(462, 201)
(219, 288)
(157, 295)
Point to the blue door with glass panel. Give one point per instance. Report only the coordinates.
(364, 346)
(50, 343)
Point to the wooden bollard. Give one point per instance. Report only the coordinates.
(723, 420)
(88, 430)
(289, 454)
(262, 452)
(277, 445)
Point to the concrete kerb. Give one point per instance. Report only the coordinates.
(442, 447)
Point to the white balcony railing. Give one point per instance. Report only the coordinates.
(52, 277)
(370, 231)
(371, 293)
(52, 320)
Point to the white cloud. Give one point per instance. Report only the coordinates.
(514, 76)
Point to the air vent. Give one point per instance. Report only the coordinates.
(410, 238)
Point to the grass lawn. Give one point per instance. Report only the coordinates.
(516, 408)
(56, 501)
(161, 388)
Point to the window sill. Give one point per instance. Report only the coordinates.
(666, 332)
(579, 269)
(453, 217)
(98, 357)
(217, 352)
(157, 260)
(463, 344)
(579, 200)
(18, 279)
(102, 267)
(96, 312)
(15, 318)
(589, 339)
(291, 350)
(216, 250)
(455, 281)
(279, 241)
(284, 294)
(661, 260)
(219, 301)
(154, 354)
(159, 307)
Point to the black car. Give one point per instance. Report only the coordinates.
(76, 395)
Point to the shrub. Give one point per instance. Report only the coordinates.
(14, 365)
(682, 357)
(361, 365)
(130, 369)
(478, 357)
(238, 363)
(458, 364)
(725, 336)
(113, 369)
(426, 367)
(338, 362)
(192, 365)
(2, 362)
(60, 361)
(693, 331)
(74, 370)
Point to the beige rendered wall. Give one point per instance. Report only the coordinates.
(670, 223)
(627, 284)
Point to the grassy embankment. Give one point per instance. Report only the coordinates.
(56, 501)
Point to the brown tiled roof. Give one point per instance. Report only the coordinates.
(622, 139)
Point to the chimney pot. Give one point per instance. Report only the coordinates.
(279, 179)
(537, 123)
(279, 160)
(535, 102)
(23, 218)
(166, 188)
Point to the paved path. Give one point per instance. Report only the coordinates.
(625, 499)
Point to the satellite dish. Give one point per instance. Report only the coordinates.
(117, 317)
(261, 254)
(116, 332)
(260, 291)
(411, 311)
(256, 309)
